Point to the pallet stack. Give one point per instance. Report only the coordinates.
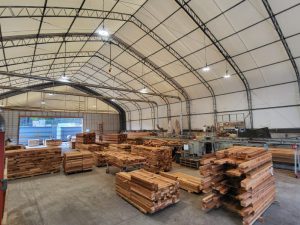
(186, 182)
(147, 191)
(86, 138)
(241, 179)
(120, 147)
(32, 162)
(157, 158)
(89, 147)
(123, 159)
(114, 138)
(76, 161)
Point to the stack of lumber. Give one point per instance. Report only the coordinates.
(86, 138)
(162, 142)
(114, 138)
(186, 182)
(13, 147)
(53, 142)
(283, 155)
(157, 158)
(123, 159)
(76, 161)
(32, 162)
(89, 147)
(139, 135)
(147, 191)
(100, 158)
(121, 147)
(241, 179)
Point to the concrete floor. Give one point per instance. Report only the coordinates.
(89, 199)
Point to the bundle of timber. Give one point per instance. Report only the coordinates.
(241, 179)
(283, 155)
(162, 142)
(13, 147)
(86, 138)
(53, 142)
(32, 162)
(157, 158)
(76, 161)
(139, 135)
(121, 147)
(123, 159)
(186, 182)
(89, 147)
(100, 158)
(147, 191)
(114, 138)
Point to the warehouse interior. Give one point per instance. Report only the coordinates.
(145, 111)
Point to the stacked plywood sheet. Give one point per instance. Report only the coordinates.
(283, 155)
(186, 182)
(76, 161)
(120, 147)
(53, 142)
(86, 138)
(163, 142)
(89, 147)
(114, 138)
(31, 162)
(157, 158)
(241, 179)
(147, 191)
(123, 159)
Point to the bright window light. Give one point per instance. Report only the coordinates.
(206, 69)
(103, 33)
(144, 90)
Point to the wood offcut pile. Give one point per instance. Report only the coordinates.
(162, 142)
(89, 147)
(32, 162)
(53, 142)
(157, 158)
(120, 147)
(186, 182)
(86, 138)
(283, 155)
(76, 161)
(241, 179)
(114, 138)
(123, 159)
(147, 191)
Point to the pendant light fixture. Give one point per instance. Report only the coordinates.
(206, 68)
(144, 90)
(227, 74)
(64, 78)
(110, 69)
(103, 32)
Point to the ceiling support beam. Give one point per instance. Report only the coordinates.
(282, 39)
(4, 73)
(190, 12)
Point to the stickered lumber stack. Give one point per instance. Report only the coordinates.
(100, 158)
(163, 142)
(157, 158)
(32, 162)
(53, 142)
(283, 155)
(241, 179)
(139, 135)
(76, 161)
(114, 138)
(147, 191)
(123, 159)
(86, 138)
(89, 147)
(120, 147)
(186, 182)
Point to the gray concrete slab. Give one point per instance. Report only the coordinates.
(89, 199)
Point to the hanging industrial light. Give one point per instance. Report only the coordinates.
(144, 90)
(206, 68)
(103, 32)
(227, 74)
(63, 77)
(110, 69)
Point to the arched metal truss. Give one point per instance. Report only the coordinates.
(84, 89)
